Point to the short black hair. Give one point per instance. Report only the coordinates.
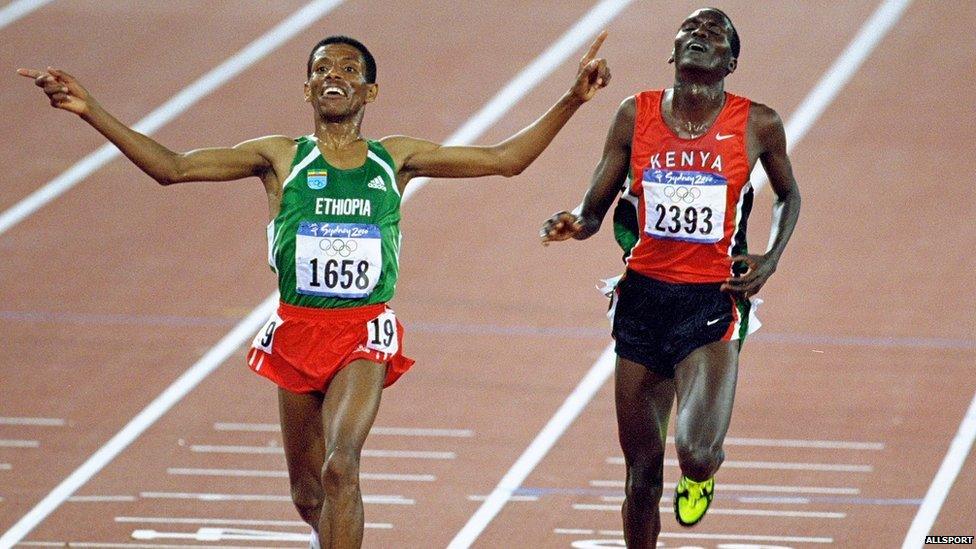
(370, 67)
(734, 37)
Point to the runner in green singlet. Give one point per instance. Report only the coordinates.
(334, 201)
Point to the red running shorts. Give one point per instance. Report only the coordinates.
(301, 349)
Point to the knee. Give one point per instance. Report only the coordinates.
(307, 498)
(644, 484)
(341, 470)
(699, 461)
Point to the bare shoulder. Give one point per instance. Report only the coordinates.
(271, 147)
(402, 147)
(627, 111)
(766, 126)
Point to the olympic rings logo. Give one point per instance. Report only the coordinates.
(338, 247)
(682, 194)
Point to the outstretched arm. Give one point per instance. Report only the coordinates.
(418, 158)
(766, 131)
(250, 158)
(609, 175)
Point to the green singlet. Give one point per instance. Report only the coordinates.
(336, 240)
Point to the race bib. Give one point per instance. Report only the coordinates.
(684, 205)
(381, 333)
(265, 338)
(337, 259)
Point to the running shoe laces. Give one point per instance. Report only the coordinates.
(692, 499)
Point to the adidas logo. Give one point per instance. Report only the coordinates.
(377, 183)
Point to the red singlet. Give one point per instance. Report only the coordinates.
(694, 195)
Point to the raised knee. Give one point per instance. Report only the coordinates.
(699, 461)
(341, 470)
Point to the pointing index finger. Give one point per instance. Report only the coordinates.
(29, 73)
(594, 47)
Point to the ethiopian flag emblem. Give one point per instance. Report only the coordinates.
(317, 179)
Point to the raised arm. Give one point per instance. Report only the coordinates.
(768, 136)
(251, 158)
(422, 158)
(608, 177)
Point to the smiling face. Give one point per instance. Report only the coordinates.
(703, 44)
(337, 85)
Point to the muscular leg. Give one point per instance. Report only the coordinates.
(705, 386)
(303, 436)
(348, 412)
(643, 401)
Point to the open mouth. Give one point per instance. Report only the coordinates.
(333, 91)
(697, 46)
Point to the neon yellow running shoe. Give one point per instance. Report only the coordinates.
(692, 499)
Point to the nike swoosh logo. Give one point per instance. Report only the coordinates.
(720, 137)
(710, 322)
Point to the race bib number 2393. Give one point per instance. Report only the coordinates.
(684, 205)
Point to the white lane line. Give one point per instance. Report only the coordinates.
(223, 534)
(749, 488)
(884, 18)
(206, 496)
(797, 443)
(209, 521)
(183, 100)
(261, 473)
(802, 120)
(537, 449)
(395, 431)
(681, 535)
(513, 498)
(159, 406)
(723, 511)
(230, 522)
(34, 421)
(13, 443)
(107, 545)
(19, 8)
(100, 499)
(5, 467)
(944, 479)
(405, 454)
(773, 465)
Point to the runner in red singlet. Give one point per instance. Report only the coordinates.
(683, 156)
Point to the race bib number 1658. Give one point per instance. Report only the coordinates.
(337, 259)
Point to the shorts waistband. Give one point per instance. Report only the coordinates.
(630, 273)
(339, 313)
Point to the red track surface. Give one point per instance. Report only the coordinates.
(118, 286)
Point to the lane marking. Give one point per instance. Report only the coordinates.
(106, 545)
(34, 421)
(826, 490)
(209, 521)
(773, 465)
(677, 535)
(13, 443)
(795, 443)
(800, 122)
(100, 499)
(260, 473)
(176, 105)
(484, 497)
(406, 454)
(722, 511)
(19, 8)
(383, 499)
(944, 478)
(5, 467)
(876, 27)
(394, 431)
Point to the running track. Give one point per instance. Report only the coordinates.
(848, 401)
